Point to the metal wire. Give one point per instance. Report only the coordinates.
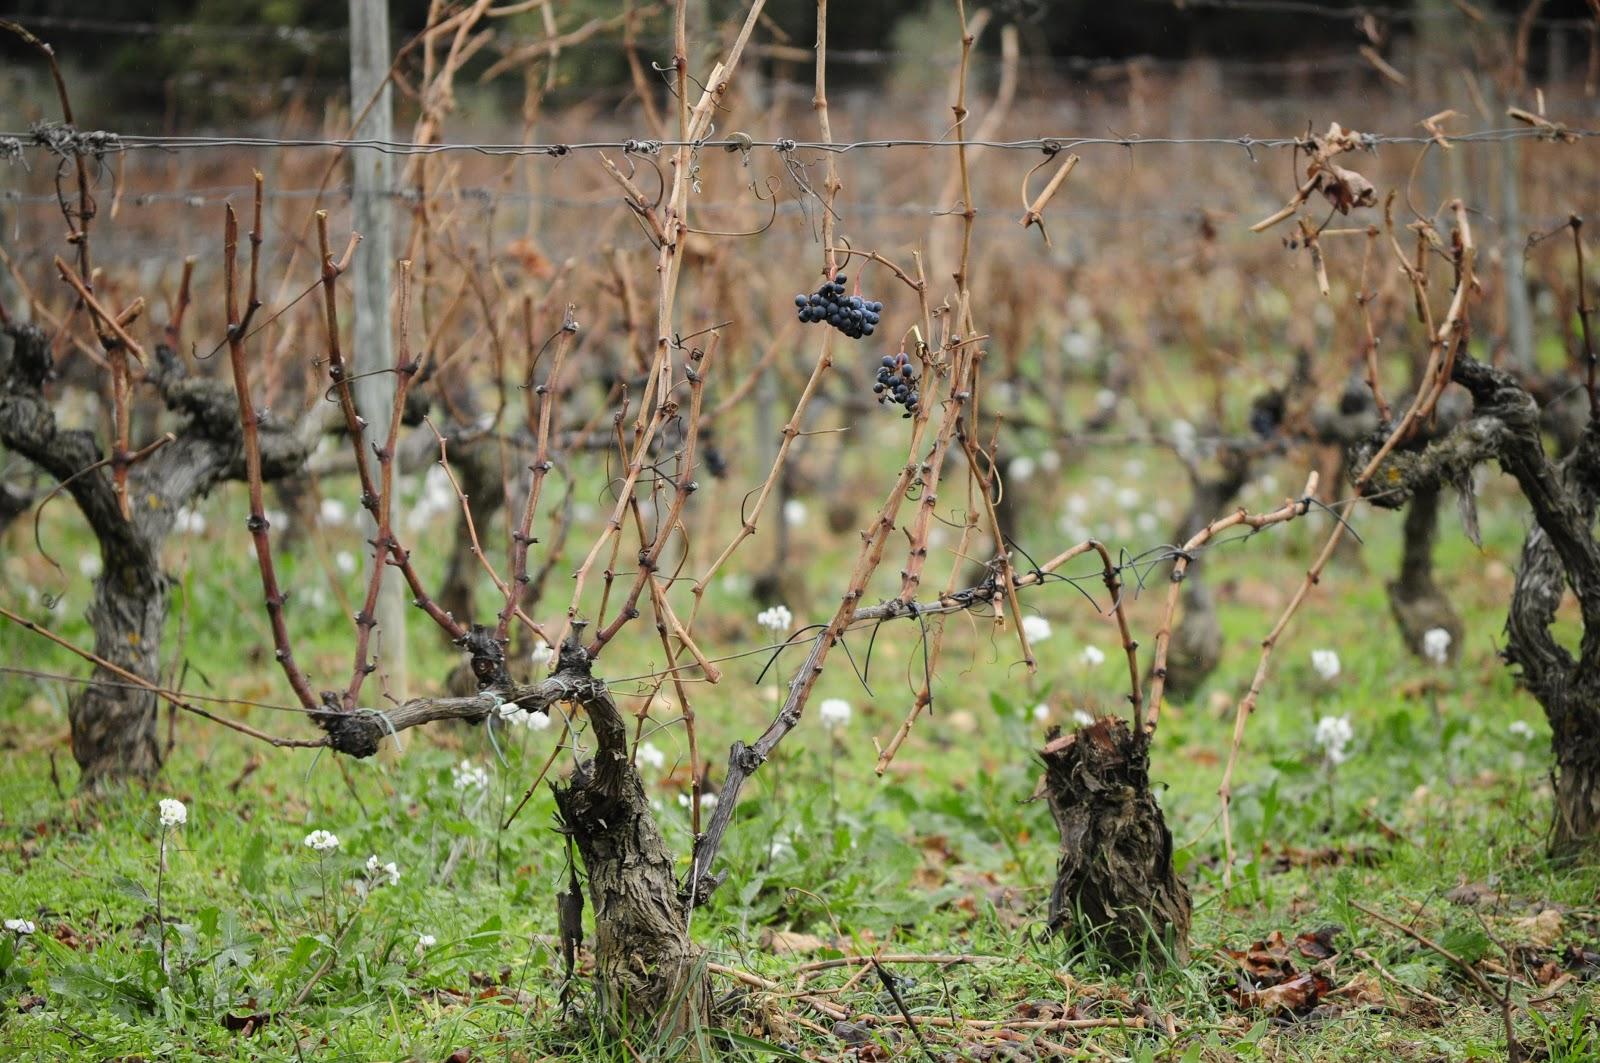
(58, 139)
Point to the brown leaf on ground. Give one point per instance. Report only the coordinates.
(1297, 996)
(1543, 929)
(791, 941)
(1475, 894)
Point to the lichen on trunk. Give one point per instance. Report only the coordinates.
(1116, 890)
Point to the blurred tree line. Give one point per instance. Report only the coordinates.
(215, 51)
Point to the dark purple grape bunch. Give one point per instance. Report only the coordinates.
(850, 314)
(897, 383)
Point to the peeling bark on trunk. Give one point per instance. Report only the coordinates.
(1575, 828)
(1115, 886)
(647, 970)
(1417, 602)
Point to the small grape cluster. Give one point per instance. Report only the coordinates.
(850, 314)
(897, 382)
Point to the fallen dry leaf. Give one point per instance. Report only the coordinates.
(792, 941)
(1542, 929)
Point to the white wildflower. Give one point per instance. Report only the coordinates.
(780, 848)
(543, 653)
(333, 511)
(277, 518)
(707, 801)
(1093, 656)
(322, 841)
(1127, 497)
(1106, 399)
(377, 870)
(1184, 438)
(1077, 346)
(426, 941)
(1326, 662)
(537, 721)
(776, 619)
(1081, 718)
(20, 926)
(834, 713)
(1147, 523)
(1522, 729)
(1037, 628)
(189, 521)
(1021, 469)
(344, 561)
(469, 776)
(89, 565)
(173, 812)
(1334, 734)
(1041, 712)
(1077, 505)
(794, 513)
(1436, 645)
(650, 755)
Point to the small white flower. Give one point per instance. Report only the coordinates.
(188, 521)
(1522, 729)
(508, 709)
(1081, 718)
(543, 653)
(1077, 505)
(776, 619)
(376, 870)
(650, 755)
(1105, 399)
(1093, 656)
(1037, 628)
(20, 926)
(834, 713)
(1021, 469)
(537, 721)
(1127, 497)
(1184, 438)
(426, 941)
(1147, 523)
(1041, 712)
(1334, 734)
(277, 518)
(794, 513)
(1436, 645)
(1326, 662)
(780, 847)
(333, 511)
(344, 561)
(708, 802)
(316, 597)
(1077, 346)
(469, 776)
(89, 565)
(322, 841)
(173, 813)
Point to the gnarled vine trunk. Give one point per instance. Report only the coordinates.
(1115, 885)
(1415, 599)
(114, 734)
(113, 720)
(647, 970)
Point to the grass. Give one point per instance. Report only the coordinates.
(943, 855)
